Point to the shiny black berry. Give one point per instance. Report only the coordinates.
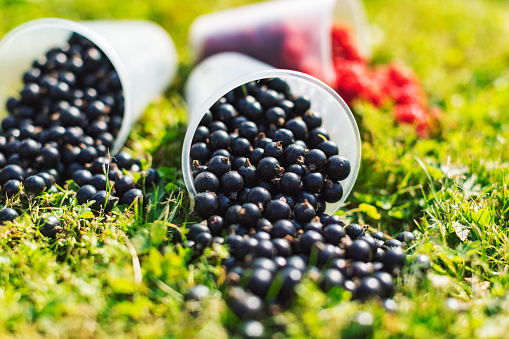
(273, 149)
(219, 165)
(406, 237)
(206, 181)
(49, 226)
(298, 128)
(387, 283)
(11, 187)
(360, 250)
(103, 201)
(205, 205)
(329, 148)
(331, 278)
(8, 214)
(304, 212)
(290, 184)
(269, 168)
(201, 152)
(231, 182)
(249, 214)
(219, 140)
(82, 177)
(34, 185)
(10, 172)
(315, 159)
(333, 234)
(283, 135)
(85, 194)
(276, 210)
(338, 168)
(369, 287)
(394, 259)
(313, 182)
(123, 160)
(354, 231)
(283, 228)
(259, 196)
(129, 197)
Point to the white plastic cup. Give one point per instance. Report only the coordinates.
(221, 73)
(142, 53)
(288, 34)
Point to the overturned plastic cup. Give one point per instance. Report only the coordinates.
(219, 74)
(141, 52)
(287, 34)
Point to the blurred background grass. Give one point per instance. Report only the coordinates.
(460, 51)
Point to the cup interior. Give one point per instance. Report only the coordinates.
(21, 46)
(336, 115)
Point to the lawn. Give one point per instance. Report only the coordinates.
(120, 276)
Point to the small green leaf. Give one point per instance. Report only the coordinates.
(370, 210)
(398, 214)
(170, 187)
(435, 172)
(84, 212)
(483, 216)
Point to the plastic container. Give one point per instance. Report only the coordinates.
(221, 73)
(288, 34)
(141, 52)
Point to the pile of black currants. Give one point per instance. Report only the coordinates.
(62, 125)
(264, 169)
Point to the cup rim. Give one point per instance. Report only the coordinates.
(259, 75)
(103, 45)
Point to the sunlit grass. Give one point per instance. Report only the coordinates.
(120, 275)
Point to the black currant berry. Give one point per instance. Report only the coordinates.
(8, 214)
(406, 237)
(249, 214)
(231, 182)
(315, 159)
(10, 172)
(103, 201)
(11, 188)
(304, 212)
(313, 182)
(354, 231)
(290, 184)
(276, 210)
(269, 168)
(49, 226)
(82, 177)
(333, 234)
(283, 228)
(205, 205)
(331, 278)
(338, 168)
(219, 165)
(129, 197)
(34, 185)
(206, 181)
(85, 194)
(258, 196)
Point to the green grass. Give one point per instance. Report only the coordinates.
(117, 276)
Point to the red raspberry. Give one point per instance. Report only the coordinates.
(401, 75)
(393, 82)
(408, 94)
(351, 79)
(413, 114)
(343, 44)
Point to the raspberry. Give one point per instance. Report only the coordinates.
(343, 46)
(395, 82)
